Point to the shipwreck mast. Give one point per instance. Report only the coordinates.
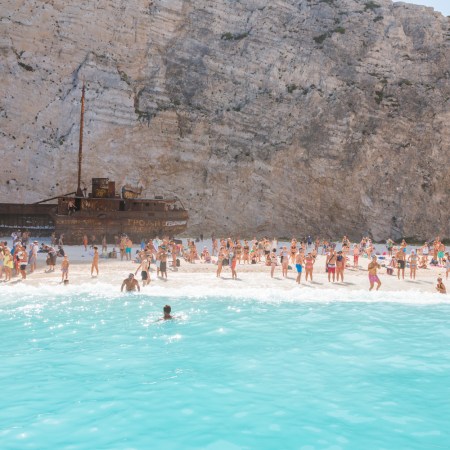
(80, 146)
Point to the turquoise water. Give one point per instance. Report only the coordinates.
(95, 371)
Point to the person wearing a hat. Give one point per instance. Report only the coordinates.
(440, 287)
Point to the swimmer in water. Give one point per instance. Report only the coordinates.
(167, 310)
(130, 283)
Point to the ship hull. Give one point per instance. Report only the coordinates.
(42, 220)
(135, 226)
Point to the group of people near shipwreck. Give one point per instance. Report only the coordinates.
(298, 255)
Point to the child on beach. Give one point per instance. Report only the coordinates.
(440, 287)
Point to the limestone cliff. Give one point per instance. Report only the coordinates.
(279, 117)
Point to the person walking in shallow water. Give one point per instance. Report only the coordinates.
(130, 283)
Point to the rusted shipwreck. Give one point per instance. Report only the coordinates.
(102, 212)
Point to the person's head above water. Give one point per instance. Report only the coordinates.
(167, 310)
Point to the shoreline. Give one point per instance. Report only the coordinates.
(203, 276)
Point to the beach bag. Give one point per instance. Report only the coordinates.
(178, 262)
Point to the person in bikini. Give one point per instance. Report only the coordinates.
(340, 266)
(238, 251)
(331, 265)
(309, 265)
(246, 249)
(373, 277)
(293, 250)
(94, 265)
(412, 259)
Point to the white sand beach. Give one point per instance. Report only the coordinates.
(203, 275)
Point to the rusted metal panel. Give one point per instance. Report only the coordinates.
(74, 228)
(39, 219)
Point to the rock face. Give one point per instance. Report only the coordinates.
(285, 117)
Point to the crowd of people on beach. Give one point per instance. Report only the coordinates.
(298, 255)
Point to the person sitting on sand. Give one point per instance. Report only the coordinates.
(130, 284)
(373, 277)
(423, 262)
(440, 287)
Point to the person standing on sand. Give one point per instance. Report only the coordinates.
(85, 242)
(447, 265)
(412, 259)
(273, 262)
(401, 262)
(355, 256)
(145, 274)
(23, 262)
(33, 256)
(65, 269)
(373, 277)
(309, 265)
(293, 250)
(440, 287)
(340, 266)
(128, 246)
(284, 261)
(95, 262)
(163, 260)
(8, 264)
(122, 245)
(220, 258)
(331, 265)
(233, 266)
(299, 263)
(130, 284)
